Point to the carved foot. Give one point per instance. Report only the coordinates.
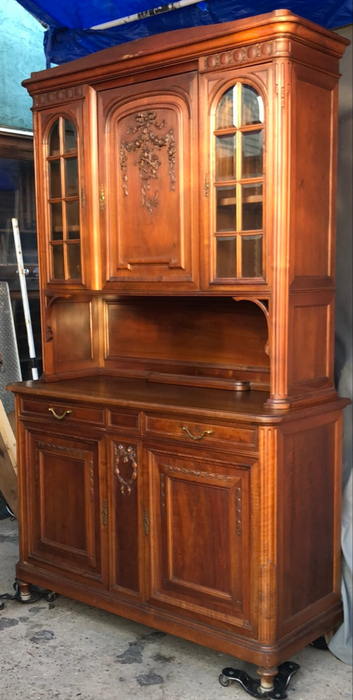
(272, 684)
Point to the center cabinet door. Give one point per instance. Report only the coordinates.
(199, 536)
(148, 188)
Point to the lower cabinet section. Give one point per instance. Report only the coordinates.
(235, 546)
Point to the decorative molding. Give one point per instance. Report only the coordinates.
(239, 56)
(148, 163)
(162, 492)
(57, 96)
(196, 472)
(125, 455)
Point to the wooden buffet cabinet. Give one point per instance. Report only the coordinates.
(179, 459)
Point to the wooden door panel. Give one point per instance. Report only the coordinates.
(200, 528)
(125, 481)
(149, 183)
(64, 498)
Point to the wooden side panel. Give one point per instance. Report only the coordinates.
(71, 340)
(310, 365)
(313, 172)
(309, 489)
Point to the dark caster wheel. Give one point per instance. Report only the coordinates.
(252, 685)
(224, 681)
(50, 596)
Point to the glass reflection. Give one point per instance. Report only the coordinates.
(73, 219)
(252, 154)
(70, 138)
(73, 259)
(71, 177)
(251, 253)
(227, 109)
(225, 157)
(54, 179)
(251, 207)
(226, 261)
(54, 140)
(226, 209)
(252, 106)
(58, 261)
(56, 221)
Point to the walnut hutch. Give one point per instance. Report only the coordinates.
(179, 459)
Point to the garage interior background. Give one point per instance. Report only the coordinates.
(69, 32)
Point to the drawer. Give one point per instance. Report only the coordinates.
(62, 412)
(124, 420)
(201, 432)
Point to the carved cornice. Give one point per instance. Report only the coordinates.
(246, 54)
(58, 96)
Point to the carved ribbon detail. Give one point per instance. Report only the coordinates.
(146, 143)
(125, 455)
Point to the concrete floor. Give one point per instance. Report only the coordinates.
(67, 650)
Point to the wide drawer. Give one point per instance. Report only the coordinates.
(62, 412)
(202, 432)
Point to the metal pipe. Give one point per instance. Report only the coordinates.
(24, 293)
(146, 13)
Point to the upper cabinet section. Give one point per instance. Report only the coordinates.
(148, 183)
(195, 162)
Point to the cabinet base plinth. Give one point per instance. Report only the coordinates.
(258, 688)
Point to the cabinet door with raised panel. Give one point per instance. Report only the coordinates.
(235, 131)
(148, 152)
(63, 501)
(125, 479)
(199, 535)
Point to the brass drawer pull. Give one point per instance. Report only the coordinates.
(197, 437)
(56, 415)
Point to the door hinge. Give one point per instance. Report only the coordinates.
(101, 197)
(104, 513)
(146, 523)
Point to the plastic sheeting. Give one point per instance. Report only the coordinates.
(69, 35)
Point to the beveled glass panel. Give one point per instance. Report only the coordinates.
(73, 219)
(74, 261)
(225, 157)
(251, 256)
(226, 115)
(226, 209)
(56, 221)
(251, 207)
(58, 261)
(70, 137)
(226, 259)
(252, 154)
(252, 106)
(54, 139)
(54, 179)
(71, 177)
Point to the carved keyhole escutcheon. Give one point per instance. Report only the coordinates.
(125, 457)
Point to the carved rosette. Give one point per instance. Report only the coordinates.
(240, 55)
(125, 455)
(57, 96)
(147, 143)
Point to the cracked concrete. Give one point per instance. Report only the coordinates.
(64, 650)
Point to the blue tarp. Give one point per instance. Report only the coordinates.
(69, 35)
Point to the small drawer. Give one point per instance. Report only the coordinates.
(62, 412)
(123, 420)
(200, 432)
